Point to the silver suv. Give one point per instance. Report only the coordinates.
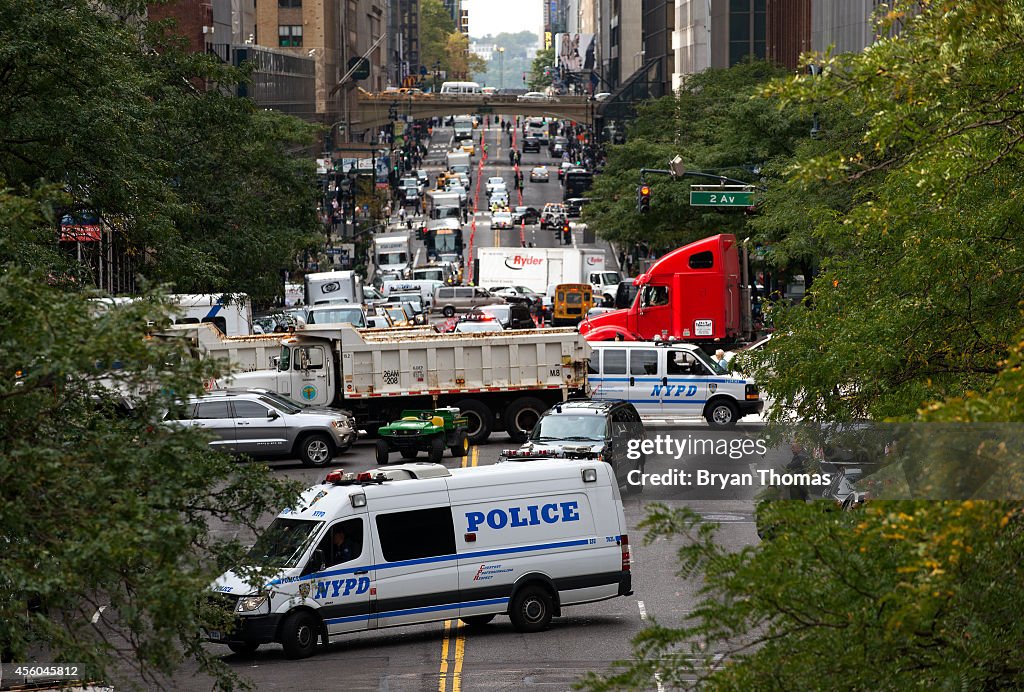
(261, 423)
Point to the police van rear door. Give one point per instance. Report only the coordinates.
(552, 533)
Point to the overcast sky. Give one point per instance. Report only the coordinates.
(495, 16)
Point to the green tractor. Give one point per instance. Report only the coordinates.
(429, 431)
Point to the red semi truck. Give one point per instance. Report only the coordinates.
(695, 294)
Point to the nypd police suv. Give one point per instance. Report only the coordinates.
(418, 542)
(671, 380)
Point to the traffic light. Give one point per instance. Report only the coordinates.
(643, 198)
(566, 232)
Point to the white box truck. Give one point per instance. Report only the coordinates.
(500, 381)
(537, 268)
(358, 551)
(334, 287)
(392, 252)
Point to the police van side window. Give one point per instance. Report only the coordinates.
(594, 363)
(643, 362)
(416, 534)
(614, 361)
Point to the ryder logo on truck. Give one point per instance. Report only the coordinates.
(593, 259)
(522, 262)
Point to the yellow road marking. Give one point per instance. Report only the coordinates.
(476, 455)
(443, 682)
(460, 654)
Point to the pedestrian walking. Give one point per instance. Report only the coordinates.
(511, 157)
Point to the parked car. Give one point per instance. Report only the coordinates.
(261, 423)
(574, 206)
(553, 215)
(334, 314)
(492, 183)
(585, 429)
(451, 299)
(525, 215)
(535, 96)
(511, 316)
(539, 174)
(478, 327)
(501, 219)
(516, 294)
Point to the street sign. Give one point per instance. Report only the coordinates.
(362, 67)
(721, 197)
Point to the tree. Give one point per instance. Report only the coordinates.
(715, 126)
(913, 302)
(435, 26)
(915, 316)
(541, 75)
(196, 186)
(106, 513)
(461, 63)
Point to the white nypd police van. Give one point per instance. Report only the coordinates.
(671, 380)
(418, 542)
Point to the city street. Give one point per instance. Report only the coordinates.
(586, 638)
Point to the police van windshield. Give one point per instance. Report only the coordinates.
(569, 427)
(285, 542)
(715, 367)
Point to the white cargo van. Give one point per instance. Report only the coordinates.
(671, 380)
(423, 287)
(418, 542)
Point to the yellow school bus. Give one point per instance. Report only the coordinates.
(571, 302)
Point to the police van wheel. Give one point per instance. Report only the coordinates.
(436, 449)
(477, 620)
(521, 416)
(531, 609)
(243, 648)
(448, 311)
(460, 448)
(479, 418)
(299, 634)
(721, 414)
(315, 450)
(382, 452)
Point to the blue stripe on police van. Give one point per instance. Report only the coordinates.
(214, 310)
(657, 380)
(668, 402)
(416, 611)
(439, 558)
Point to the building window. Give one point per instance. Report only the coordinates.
(289, 36)
(747, 30)
(289, 3)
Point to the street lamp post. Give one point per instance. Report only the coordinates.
(501, 67)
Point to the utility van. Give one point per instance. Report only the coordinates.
(418, 542)
(423, 288)
(671, 380)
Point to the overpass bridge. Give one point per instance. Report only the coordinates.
(372, 111)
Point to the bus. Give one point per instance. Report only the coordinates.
(460, 88)
(571, 303)
(575, 183)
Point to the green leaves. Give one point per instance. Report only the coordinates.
(110, 522)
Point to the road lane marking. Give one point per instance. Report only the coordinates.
(476, 455)
(442, 684)
(454, 644)
(460, 655)
(643, 616)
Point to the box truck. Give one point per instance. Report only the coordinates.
(537, 268)
(334, 287)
